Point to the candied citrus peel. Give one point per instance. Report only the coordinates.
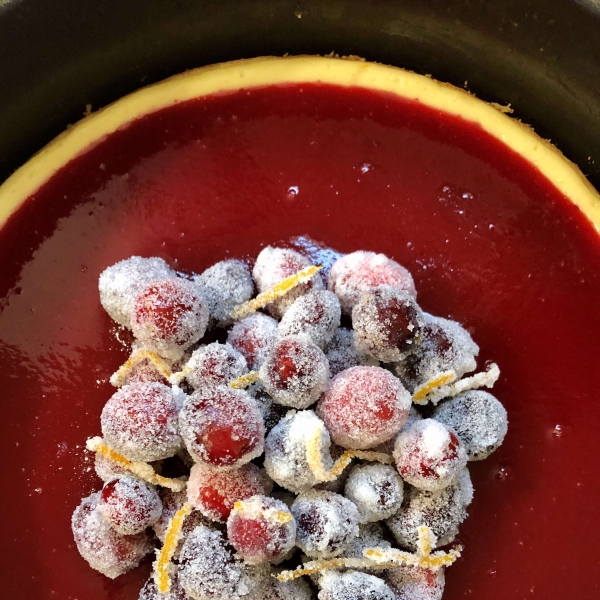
(486, 378)
(142, 470)
(322, 474)
(316, 566)
(244, 381)
(136, 358)
(442, 379)
(423, 557)
(162, 576)
(282, 288)
(278, 516)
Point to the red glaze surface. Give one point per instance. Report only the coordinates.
(488, 241)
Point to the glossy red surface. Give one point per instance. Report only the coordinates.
(488, 241)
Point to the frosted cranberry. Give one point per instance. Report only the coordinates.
(272, 266)
(169, 316)
(387, 323)
(377, 491)
(101, 546)
(295, 373)
(316, 314)
(359, 272)
(214, 492)
(215, 364)
(120, 284)
(261, 529)
(429, 455)
(296, 589)
(342, 354)
(326, 523)
(210, 569)
(253, 337)
(150, 591)
(409, 583)
(141, 422)
(225, 285)
(363, 407)
(222, 427)
(129, 504)
(353, 586)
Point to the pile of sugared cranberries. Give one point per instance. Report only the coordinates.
(338, 360)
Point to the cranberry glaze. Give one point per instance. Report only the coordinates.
(489, 241)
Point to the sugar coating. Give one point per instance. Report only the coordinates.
(429, 455)
(297, 589)
(376, 490)
(169, 316)
(257, 528)
(120, 284)
(446, 346)
(353, 585)
(363, 407)
(370, 535)
(215, 364)
(222, 426)
(106, 469)
(150, 591)
(326, 523)
(343, 354)
(171, 503)
(359, 272)
(101, 546)
(129, 504)
(285, 450)
(209, 569)
(225, 285)
(213, 492)
(387, 323)
(441, 511)
(337, 485)
(295, 372)
(272, 266)
(388, 447)
(140, 421)
(479, 420)
(317, 314)
(416, 583)
(253, 337)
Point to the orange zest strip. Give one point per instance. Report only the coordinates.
(172, 537)
(142, 470)
(282, 288)
(279, 516)
(486, 378)
(315, 459)
(178, 377)
(315, 566)
(244, 381)
(443, 379)
(423, 557)
(136, 358)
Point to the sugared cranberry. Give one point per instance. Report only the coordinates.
(222, 427)
(429, 455)
(353, 585)
(214, 492)
(295, 373)
(141, 422)
(316, 314)
(215, 364)
(129, 504)
(342, 354)
(261, 529)
(359, 272)
(409, 583)
(101, 546)
(325, 523)
(169, 316)
(387, 323)
(253, 337)
(272, 266)
(363, 407)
